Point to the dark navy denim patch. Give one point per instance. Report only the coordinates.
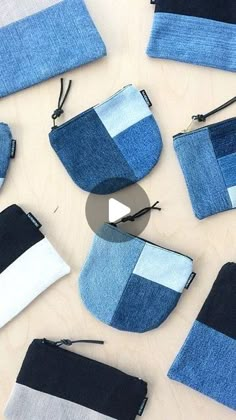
(208, 160)
(206, 361)
(132, 285)
(110, 146)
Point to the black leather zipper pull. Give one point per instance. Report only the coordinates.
(203, 117)
(140, 213)
(66, 342)
(59, 111)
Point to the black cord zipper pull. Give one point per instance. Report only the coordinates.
(66, 342)
(140, 213)
(59, 111)
(203, 117)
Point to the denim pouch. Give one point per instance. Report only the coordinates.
(54, 383)
(198, 32)
(42, 38)
(132, 284)
(206, 361)
(111, 145)
(7, 150)
(208, 160)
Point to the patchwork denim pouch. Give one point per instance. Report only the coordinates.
(111, 145)
(28, 262)
(198, 32)
(130, 283)
(42, 38)
(56, 384)
(7, 150)
(207, 361)
(208, 160)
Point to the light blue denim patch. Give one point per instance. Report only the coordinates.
(193, 40)
(39, 42)
(208, 165)
(111, 145)
(132, 285)
(5, 150)
(207, 364)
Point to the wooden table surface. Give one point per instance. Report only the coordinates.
(38, 182)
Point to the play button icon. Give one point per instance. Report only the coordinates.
(113, 207)
(117, 210)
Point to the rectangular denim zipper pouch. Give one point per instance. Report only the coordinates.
(111, 145)
(201, 32)
(207, 360)
(28, 262)
(7, 150)
(131, 284)
(56, 384)
(207, 157)
(42, 38)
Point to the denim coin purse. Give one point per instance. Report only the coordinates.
(132, 284)
(208, 160)
(111, 145)
(42, 38)
(7, 150)
(198, 32)
(54, 383)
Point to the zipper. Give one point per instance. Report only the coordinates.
(59, 111)
(204, 117)
(149, 242)
(67, 342)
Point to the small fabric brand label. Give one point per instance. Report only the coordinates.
(146, 98)
(153, 1)
(190, 280)
(13, 148)
(34, 220)
(142, 408)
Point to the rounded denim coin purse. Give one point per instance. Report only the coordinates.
(208, 160)
(111, 145)
(7, 150)
(132, 284)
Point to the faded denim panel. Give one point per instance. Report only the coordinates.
(207, 364)
(47, 43)
(228, 167)
(88, 154)
(165, 267)
(107, 270)
(205, 183)
(144, 305)
(141, 146)
(193, 40)
(122, 110)
(223, 137)
(232, 194)
(5, 150)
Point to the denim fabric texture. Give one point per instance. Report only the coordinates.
(208, 160)
(39, 40)
(111, 145)
(206, 361)
(194, 40)
(5, 150)
(132, 285)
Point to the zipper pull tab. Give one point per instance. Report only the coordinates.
(66, 342)
(140, 213)
(203, 117)
(59, 111)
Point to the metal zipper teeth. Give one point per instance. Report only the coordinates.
(156, 245)
(89, 109)
(201, 128)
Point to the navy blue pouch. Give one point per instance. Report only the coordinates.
(111, 145)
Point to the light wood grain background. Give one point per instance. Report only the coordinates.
(38, 182)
